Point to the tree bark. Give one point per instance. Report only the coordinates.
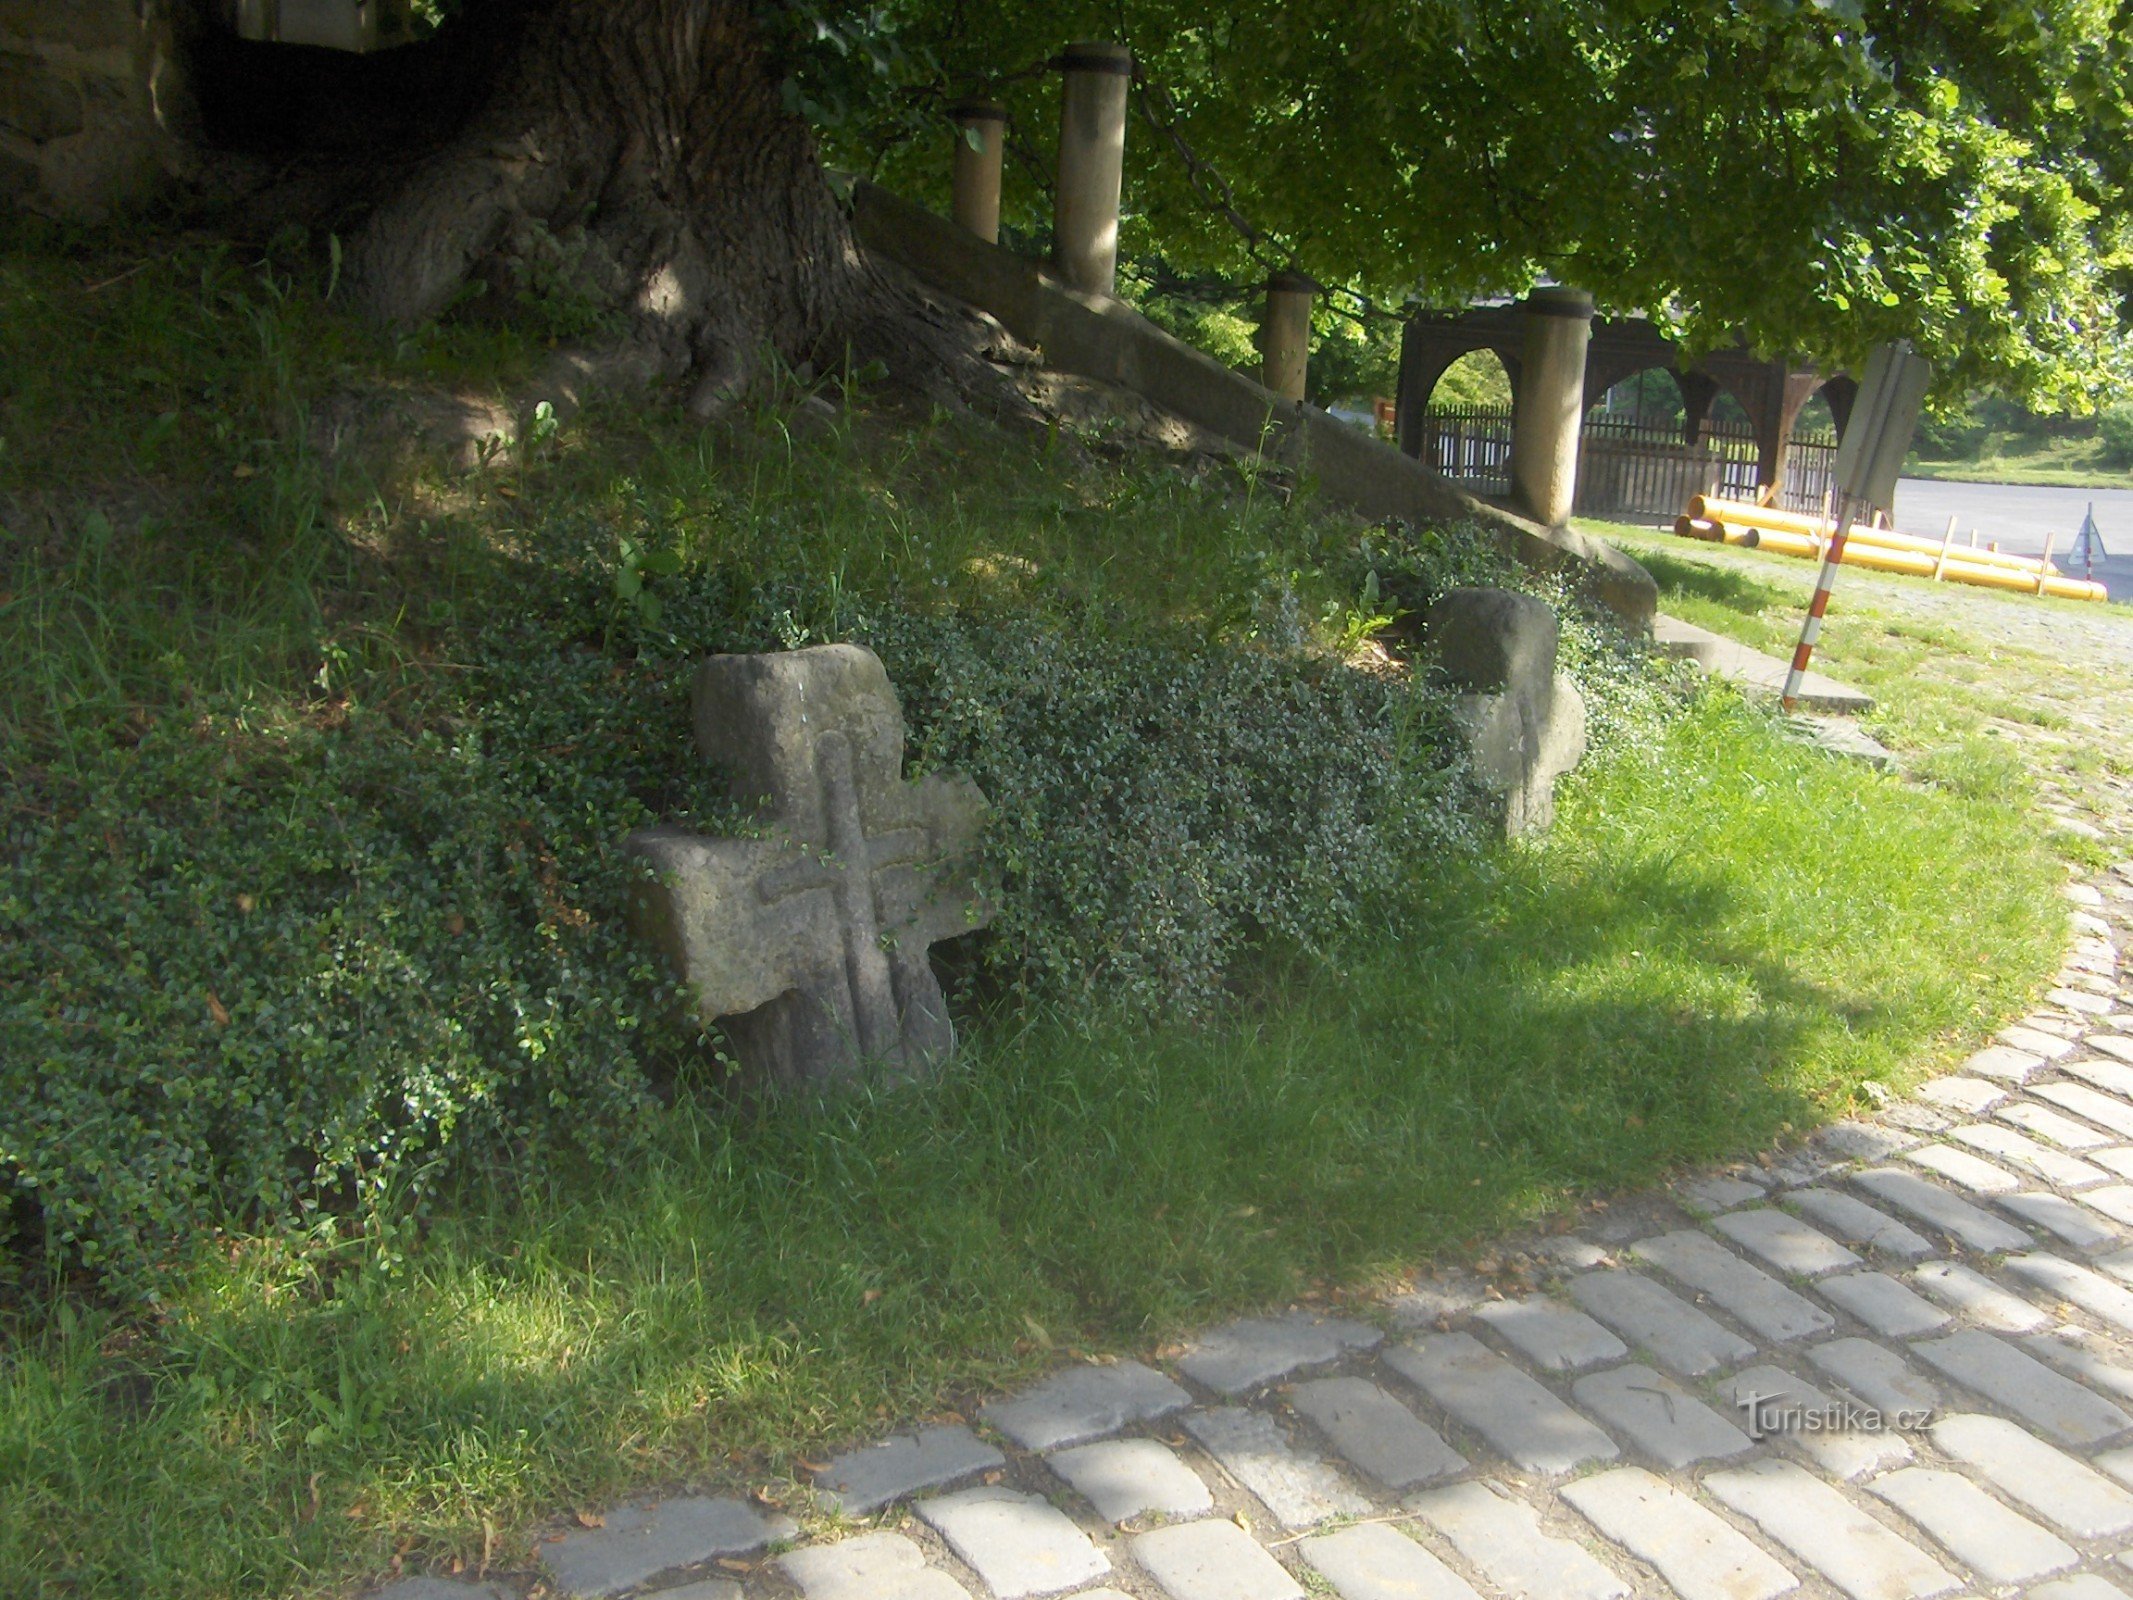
(635, 155)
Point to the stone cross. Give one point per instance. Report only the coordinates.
(810, 943)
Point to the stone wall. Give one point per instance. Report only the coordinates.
(93, 103)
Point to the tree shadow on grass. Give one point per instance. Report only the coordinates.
(1725, 586)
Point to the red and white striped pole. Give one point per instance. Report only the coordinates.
(1876, 439)
(1825, 581)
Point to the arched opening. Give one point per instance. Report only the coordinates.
(1476, 381)
(1816, 420)
(1648, 399)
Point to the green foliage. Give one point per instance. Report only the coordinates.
(1161, 805)
(2114, 429)
(1952, 172)
(1475, 379)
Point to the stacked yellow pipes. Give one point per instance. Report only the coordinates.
(1882, 549)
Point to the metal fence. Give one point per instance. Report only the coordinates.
(1627, 468)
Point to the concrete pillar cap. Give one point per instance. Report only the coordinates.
(1551, 300)
(1287, 281)
(1092, 55)
(978, 111)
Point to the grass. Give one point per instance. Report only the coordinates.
(1971, 706)
(1684, 970)
(2074, 463)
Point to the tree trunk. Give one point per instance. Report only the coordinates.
(634, 155)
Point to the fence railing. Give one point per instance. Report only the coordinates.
(1628, 468)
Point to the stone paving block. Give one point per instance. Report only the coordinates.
(2113, 1077)
(2057, 1215)
(2034, 1041)
(2003, 1063)
(1876, 1374)
(2080, 1002)
(1918, 1117)
(1864, 1141)
(2113, 1200)
(1752, 1295)
(2081, 1586)
(1785, 1242)
(1977, 1297)
(1213, 1560)
(1934, 1206)
(1375, 1562)
(862, 1481)
(1963, 1169)
(1883, 1304)
(1302, 1491)
(2070, 1495)
(2054, 1024)
(1522, 1420)
(2092, 1104)
(2077, 1285)
(439, 1589)
(2046, 1123)
(1020, 1544)
(1660, 1417)
(1085, 1403)
(1502, 1538)
(1436, 1302)
(1773, 1393)
(1856, 1222)
(2085, 1358)
(1128, 1478)
(1376, 1433)
(1973, 1097)
(639, 1542)
(873, 1566)
(2009, 1377)
(1551, 1335)
(1702, 1556)
(2112, 1044)
(1251, 1354)
(2118, 1159)
(2025, 1154)
(1999, 1545)
(1826, 1531)
(709, 1589)
(1718, 1193)
(1678, 1335)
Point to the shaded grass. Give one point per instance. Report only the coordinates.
(1681, 973)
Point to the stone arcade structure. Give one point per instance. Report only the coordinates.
(1561, 362)
(809, 944)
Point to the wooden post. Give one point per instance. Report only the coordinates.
(980, 137)
(1947, 539)
(1092, 164)
(1285, 334)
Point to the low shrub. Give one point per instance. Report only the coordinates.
(2114, 431)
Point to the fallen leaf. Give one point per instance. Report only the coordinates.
(244, 469)
(870, 1297)
(245, 903)
(732, 1565)
(813, 1466)
(455, 924)
(994, 1477)
(217, 1010)
(591, 1519)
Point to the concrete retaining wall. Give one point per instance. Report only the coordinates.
(1092, 336)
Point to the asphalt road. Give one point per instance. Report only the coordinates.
(2021, 517)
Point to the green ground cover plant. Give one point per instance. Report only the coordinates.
(371, 1205)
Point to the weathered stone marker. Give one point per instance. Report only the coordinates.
(809, 944)
(1096, 81)
(1285, 334)
(1524, 721)
(1550, 413)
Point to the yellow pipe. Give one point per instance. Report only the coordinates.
(1730, 511)
(1877, 558)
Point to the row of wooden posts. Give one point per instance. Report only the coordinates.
(1097, 83)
